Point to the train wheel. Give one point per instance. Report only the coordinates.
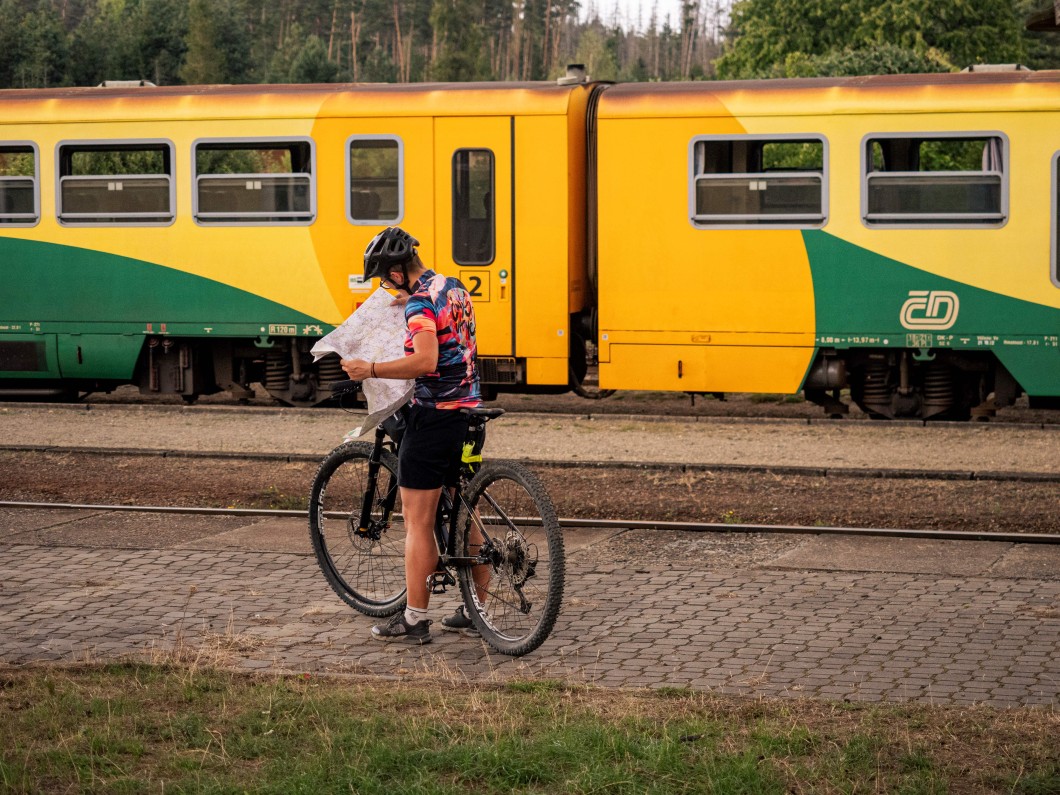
(589, 387)
(584, 370)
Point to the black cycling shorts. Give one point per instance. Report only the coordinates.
(429, 456)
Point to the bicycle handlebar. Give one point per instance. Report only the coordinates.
(344, 387)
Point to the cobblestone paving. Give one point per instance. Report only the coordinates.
(758, 631)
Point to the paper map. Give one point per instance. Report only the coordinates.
(374, 332)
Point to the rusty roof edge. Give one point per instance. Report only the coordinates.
(719, 86)
(971, 78)
(276, 89)
(912, 94)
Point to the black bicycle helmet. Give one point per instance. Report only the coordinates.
(391, 249)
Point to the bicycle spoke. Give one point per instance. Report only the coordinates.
(365, 566)
(500, 512)
(512, 525)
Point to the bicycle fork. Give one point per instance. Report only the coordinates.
(365, 525)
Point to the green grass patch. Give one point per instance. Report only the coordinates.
(139, 728)
(276, 500)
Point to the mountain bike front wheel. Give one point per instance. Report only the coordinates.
(365, 565)
(523, 552)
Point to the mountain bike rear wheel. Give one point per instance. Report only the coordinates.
(524, 554)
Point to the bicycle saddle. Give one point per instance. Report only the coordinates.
(482, 411)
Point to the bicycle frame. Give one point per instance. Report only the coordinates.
(445, 525)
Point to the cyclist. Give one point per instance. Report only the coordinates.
(440, 356)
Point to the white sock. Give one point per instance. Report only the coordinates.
(414, 615)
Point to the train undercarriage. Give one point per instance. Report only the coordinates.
(285, 368)
(885, 384)
(911, 384)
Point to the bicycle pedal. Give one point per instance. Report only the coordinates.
(439, 581)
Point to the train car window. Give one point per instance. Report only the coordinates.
(474, 229)
(115, 182)
(757, 180)
(19, 184)
(263, 181)
(936, 179)
(376, 180)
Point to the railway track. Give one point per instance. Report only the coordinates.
(606, 524)
(979, 479)
(640, 405)
(882, 473)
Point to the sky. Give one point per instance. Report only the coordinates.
(636, 13)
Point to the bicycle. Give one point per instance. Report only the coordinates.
(356, 528)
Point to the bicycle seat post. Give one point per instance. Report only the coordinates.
(471, 455)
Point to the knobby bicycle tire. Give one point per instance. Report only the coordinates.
(527, 564)
(364, 566)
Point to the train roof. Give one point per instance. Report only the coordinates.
(981, 91)
(945, 92)
(156, 103)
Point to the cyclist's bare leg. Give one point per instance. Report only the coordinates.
(481, 573)
(419, 507)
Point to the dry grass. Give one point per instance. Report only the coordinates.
(130, 727)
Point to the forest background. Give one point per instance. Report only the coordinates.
(49, 43)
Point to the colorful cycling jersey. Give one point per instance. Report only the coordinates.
(442, 306)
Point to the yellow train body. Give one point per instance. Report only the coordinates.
(756, 237)
(735, 310)
(524, 296)
(749, 307)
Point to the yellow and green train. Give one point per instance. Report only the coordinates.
(894, 236)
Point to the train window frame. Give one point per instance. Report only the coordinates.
(22, 220)
(936, 220)
(252, 217)
(115, 182)
(491, 210)
(704, 221)
(381, 221)
(1055, 237)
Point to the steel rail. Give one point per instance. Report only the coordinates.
(878, 473)
(630, 414)
(604, 524)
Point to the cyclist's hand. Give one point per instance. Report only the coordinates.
(400, 300)
(357, 369)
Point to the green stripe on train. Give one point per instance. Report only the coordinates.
(50, 283)
(863, 298)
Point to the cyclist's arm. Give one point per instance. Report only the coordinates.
(422, 360)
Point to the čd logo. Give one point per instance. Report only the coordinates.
(930, 309)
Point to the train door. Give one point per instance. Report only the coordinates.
(473, 220)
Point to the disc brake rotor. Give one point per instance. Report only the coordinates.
(520, 558)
